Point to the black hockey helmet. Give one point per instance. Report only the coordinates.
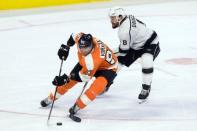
(85, 41)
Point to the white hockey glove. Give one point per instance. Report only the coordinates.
(116, 51)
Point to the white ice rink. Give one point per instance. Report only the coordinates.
(29, 62)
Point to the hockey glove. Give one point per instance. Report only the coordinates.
(63, 52)
(60, 80)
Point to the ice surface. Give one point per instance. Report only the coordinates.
(28, 48)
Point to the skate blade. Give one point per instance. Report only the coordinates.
(142, 101)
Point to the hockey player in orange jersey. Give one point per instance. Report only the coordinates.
(96, 63)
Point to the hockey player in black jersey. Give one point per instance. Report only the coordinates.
(136, 41)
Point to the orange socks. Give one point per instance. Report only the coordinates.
(97, 87)
(61, 90)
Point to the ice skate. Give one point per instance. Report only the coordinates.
(45, 102)
(144, 93)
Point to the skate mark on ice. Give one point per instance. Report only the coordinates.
(104, 118)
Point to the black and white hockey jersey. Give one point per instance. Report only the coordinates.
(133, 34)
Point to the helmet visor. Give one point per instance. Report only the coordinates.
(85, 50)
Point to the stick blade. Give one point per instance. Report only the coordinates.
(74, 118)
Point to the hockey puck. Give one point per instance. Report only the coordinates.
(59, 123)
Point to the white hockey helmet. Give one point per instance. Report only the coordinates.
(119, 12)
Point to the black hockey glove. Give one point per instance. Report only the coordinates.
(129, 58)
(122, 60)
(60, 80)
(63, 52)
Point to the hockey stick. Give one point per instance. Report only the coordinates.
(49, 116)
(72, 116)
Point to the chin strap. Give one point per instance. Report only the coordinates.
(122, 20)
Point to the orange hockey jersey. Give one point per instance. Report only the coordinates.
(100, 58)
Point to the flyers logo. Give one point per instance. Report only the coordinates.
(109, 57)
